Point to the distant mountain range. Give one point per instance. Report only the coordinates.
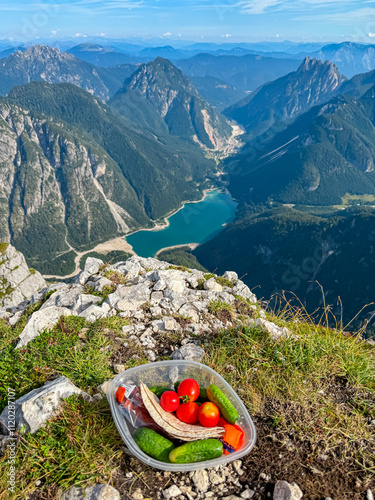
(217, 92)
(76, 171)
(101, 56)
(160, 97)
(351, 58)
(243, 72)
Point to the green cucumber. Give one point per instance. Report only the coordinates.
(227, 410)
(159, 390)
(153, 444)
(196, 451)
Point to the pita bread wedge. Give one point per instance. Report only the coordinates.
(172, 425)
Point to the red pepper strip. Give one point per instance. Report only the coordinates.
(120, 393)
(234, 436)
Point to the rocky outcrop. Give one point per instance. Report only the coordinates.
(33, 410)
(18, 283)
(155, 294)
(40, 321)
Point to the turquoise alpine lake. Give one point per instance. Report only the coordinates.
(193, 223)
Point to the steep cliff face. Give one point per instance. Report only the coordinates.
(42, 63)
(17, 282)
(57, 187)
(174, 103)
(284, 99)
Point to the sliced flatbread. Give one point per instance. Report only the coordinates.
(172, 425)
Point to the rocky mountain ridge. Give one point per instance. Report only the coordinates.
(160, 88)
(281, 101)
(43, 63)
(324, 154)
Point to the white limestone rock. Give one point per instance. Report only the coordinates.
(93, 312)
(244, 291)
(172, 492)
(33, 410)
(130, 298)
(276, 332)
(17, 281)
(212, 285)
(40, 321)
(189, 311)
(230, 275)
(189, 352)
(170, 324)
(200, 480)
(94, 492)
(92, 265)
(83, 277)
(64, 297)
(286, 491)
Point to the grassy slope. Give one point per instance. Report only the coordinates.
(313, 395)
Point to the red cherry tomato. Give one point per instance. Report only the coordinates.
(208, 414)
(190, 388)
(169, 401)
(188, 412)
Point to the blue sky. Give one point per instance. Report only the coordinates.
(229, 20)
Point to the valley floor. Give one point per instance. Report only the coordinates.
(108, 246)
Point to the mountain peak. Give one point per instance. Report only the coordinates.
(176, 101)
(42, 53)
(315, 66)
(312, 64)
(160, 73)
(284, 99)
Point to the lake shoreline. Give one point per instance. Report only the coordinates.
(214, 210)
(192, 246)
(159, 226)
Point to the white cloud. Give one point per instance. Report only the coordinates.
(348, 17)
(256, 6)
(80, 35)
(371, 35)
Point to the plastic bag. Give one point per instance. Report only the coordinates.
(131, 404)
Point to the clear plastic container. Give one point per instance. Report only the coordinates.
(167, 373)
